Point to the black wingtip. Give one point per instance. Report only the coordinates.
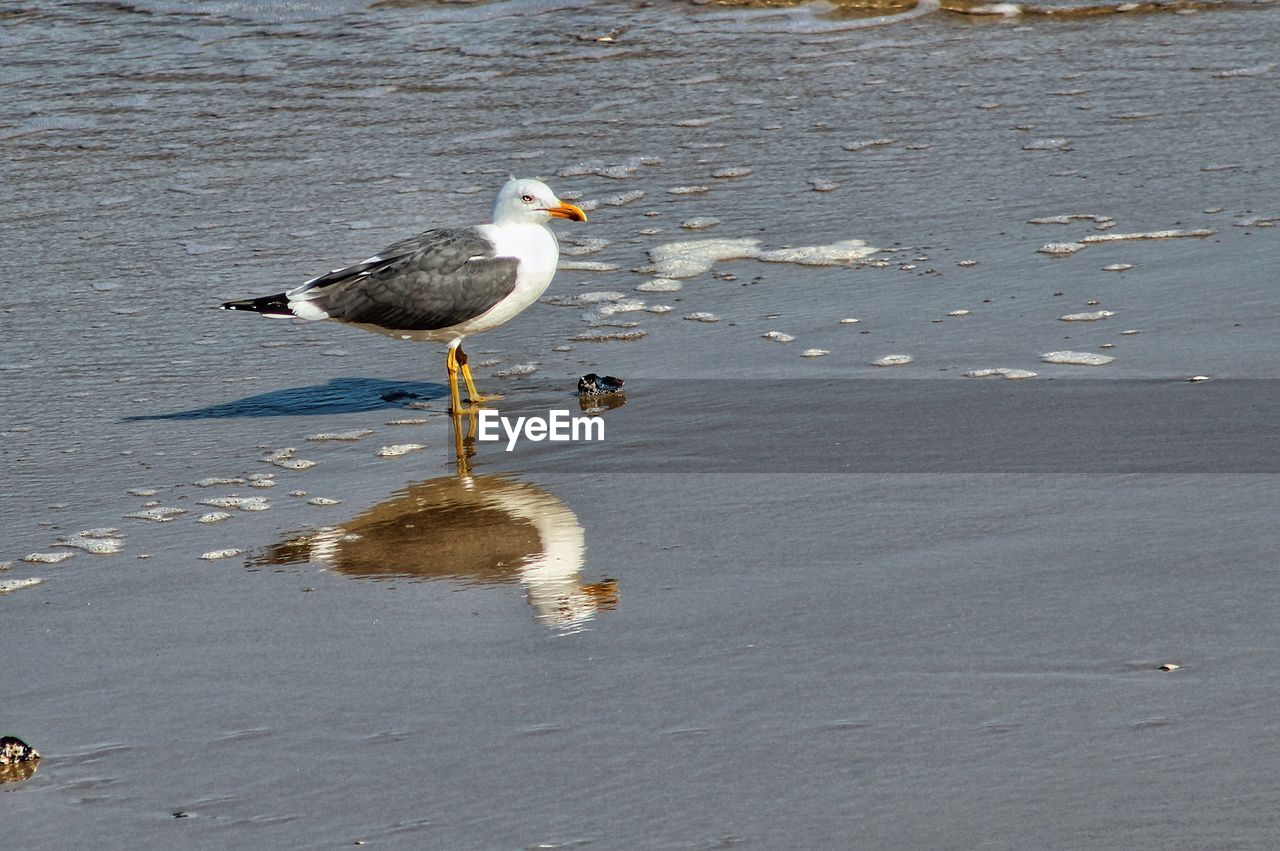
(271, 305)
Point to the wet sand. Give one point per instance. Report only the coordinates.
(910, 641)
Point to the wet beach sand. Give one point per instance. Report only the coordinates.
(795, 597)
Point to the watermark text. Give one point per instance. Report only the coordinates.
(558, 426)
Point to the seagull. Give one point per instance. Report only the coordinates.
(442, 284)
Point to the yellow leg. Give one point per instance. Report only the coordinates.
(451, 364)
(473, 394)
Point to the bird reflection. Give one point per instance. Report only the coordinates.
(473, 529)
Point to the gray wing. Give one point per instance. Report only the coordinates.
(434, 280)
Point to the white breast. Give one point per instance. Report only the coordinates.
(535, 246)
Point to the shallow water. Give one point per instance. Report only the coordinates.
(915, 657)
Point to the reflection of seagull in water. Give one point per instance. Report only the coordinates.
(474, 529)
(443, 284)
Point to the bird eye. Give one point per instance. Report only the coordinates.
(528, 199)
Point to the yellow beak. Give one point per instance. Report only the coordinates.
(568, 211)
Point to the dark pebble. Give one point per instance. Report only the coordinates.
(598, 385)
(13, 751)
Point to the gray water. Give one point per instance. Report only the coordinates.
(631, 656)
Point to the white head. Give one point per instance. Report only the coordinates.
(531, 202)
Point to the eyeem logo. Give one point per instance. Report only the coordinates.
(557, 426)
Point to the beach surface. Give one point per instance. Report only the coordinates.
(819, 585)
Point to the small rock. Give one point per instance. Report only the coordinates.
(13, 750)
(599, 385)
